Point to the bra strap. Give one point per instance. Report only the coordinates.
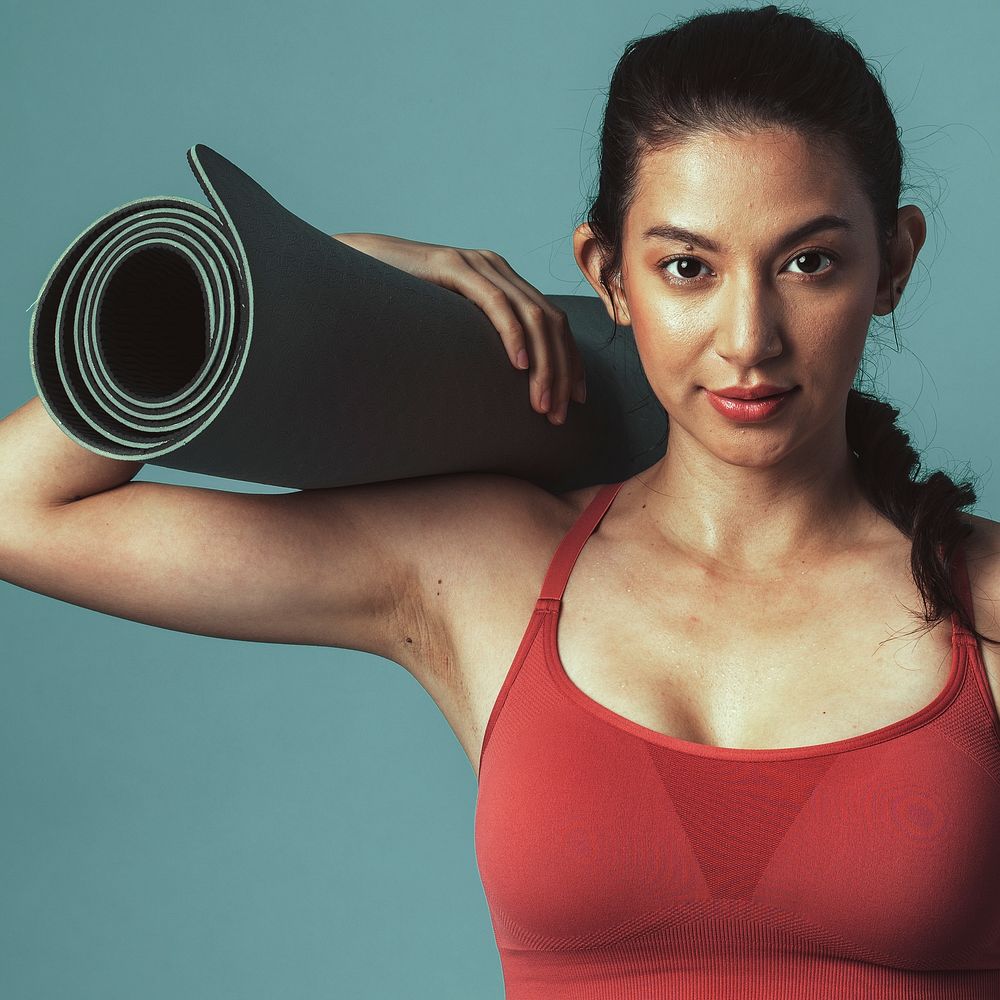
(573, 541)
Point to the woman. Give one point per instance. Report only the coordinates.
(713, 760)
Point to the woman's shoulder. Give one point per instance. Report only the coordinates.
(518, 500)
(470, 523)
(982, 558)
(982, 546)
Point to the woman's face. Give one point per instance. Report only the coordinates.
(769, 302)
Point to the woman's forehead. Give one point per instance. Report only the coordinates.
(759, 183)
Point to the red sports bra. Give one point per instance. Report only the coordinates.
(619, 862)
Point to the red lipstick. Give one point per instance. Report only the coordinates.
(749, 404)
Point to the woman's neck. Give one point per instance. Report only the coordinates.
(753, 519)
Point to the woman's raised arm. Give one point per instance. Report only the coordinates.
(312, 567)
(340, 567)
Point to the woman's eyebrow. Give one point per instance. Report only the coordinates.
(668, 231)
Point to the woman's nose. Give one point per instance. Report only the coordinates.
(748, 326)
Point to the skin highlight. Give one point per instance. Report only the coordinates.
(753, 499)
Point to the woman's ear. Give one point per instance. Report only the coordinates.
(911, 231)
(589, 259)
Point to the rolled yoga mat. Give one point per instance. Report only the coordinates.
(240, 341)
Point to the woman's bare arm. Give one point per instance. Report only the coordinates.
(354, 567)
(315, 567)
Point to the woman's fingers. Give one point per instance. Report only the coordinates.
(501, 303)
(539, 336)
(575, 368)
(530, 326)
(543, 332)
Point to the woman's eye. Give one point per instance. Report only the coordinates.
(687, 268)
(807, 260)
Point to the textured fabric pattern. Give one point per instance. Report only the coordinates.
(622, 863)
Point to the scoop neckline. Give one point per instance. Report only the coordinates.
(956, 674)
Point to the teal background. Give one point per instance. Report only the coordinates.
(184, 816)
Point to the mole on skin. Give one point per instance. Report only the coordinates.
(408, 639)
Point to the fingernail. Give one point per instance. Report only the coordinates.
(522, 358)
(580, 391)
(546, 399)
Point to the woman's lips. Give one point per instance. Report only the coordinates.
(749, 410)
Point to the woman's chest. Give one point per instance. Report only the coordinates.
(752, 667)
(589, 829)
(749, 671)
(596, 824)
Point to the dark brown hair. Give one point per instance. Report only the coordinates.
(739, 70)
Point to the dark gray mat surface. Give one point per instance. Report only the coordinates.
(240, 341)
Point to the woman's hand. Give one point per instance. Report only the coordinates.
(535, 333)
